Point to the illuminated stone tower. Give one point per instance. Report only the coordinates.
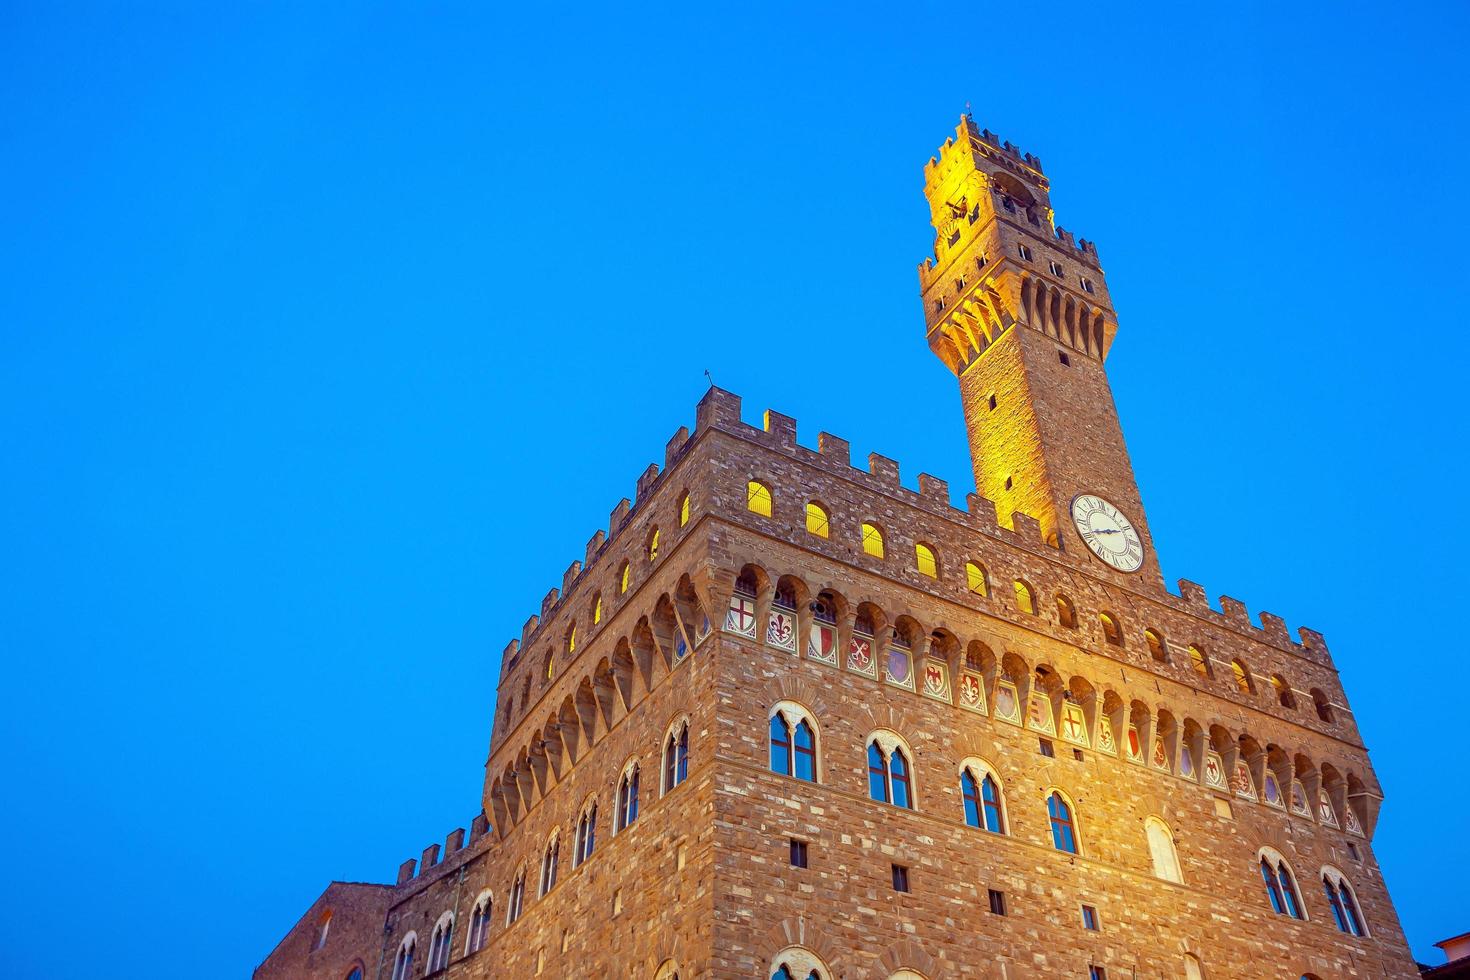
(1019, 310)
(788, 717)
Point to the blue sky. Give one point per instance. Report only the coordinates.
(331, 333)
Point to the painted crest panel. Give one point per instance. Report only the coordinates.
(1159, 757)
(1241, 782)
(1105, 741)
(972, 692)
(1134, 745)
(1007, 702)
(1215, 771)
(781, 629)
(1353, 826)
(860, 656)
(1038, 715)
(936, 679)
(1186, 763)
(899, 670)
(1299, 800)
(821, 644)
(1271, 791)
(740, 619)
(1325, 813)
(703, 632)
(1074, 724)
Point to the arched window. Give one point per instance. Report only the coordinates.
(758, 498)
(572, 638)
(1242, 677)
(1200, 662)
(1343, 902)
(981, 794)
(816, 519)
(1063, 829)
(1024, 598)
(323, 925)
(1324, 710)
(676, 756)
(597, 609)
(798, 963)
(668, 971)
(517, 897)
(1112, 633)
(925, 561)
(873, 540)
(1066, 612)
(1283, 691)
(653, 545)
(439, 941)
(624, 574)
(1161, 850)
(355, 973)
(1156, 647)
(889, 780)
(403, 962)
(684, 509)
(627, 811)
(550, 858)
(1280, 885)
(975, 579)
(479, 924)
(793, 743)
(586, 834)
(1192, 969)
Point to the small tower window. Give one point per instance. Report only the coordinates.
(872, 540)
(684, 510)
(1056, 268)
(1156, 648)
(991, 402)
(1087, 285)
(924, 558)
(1024, 252)
(623, 577)
(1025, 600)
(1066, 613)
(1200, 662)
(653, 545)
(1111, 632)
(816, 520)
(975, 578)
(981, 261)
(758, 498)
(1283, 691)
(1242, 677)
(597, 609)
(1062, 356)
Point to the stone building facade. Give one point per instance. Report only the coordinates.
(790, 718)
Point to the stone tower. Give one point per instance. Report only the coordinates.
(1007, 283)
(789, 718)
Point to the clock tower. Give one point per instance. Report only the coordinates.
(1018, 309)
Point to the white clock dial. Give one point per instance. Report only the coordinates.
(1110, 535)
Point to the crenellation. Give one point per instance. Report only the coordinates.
(594, 547)
(717, 409)
(884, 471)
(781, 429)
(646, 481)
(934, 490)
(569, 577)
(479, 827)
(982, 509)
(528, 630)
(1233, 611)
(429, 859)
(548, 602)
(674, 448)
(618, 517)
(1195, 598)
(1274, 627)
(835, 449)
(454, 841)
(406, 871)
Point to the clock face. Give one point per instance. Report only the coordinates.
(1110, 535)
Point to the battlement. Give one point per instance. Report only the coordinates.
(971, 137)
(721, 410)
(434, 856)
